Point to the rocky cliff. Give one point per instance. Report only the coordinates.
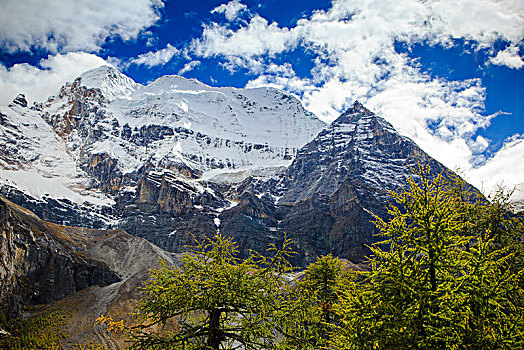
(41, 262)
(74, 272)
(327, 198)
(178, 158)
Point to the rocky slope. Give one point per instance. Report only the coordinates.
(340, 180)
(82, 273)
(41, 262)
(178, 158)
(325, 200)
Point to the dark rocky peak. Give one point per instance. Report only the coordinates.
(19, 100)
(356, 108)
(356, 129)
(358, 145)
(340, 179)
(363, 119)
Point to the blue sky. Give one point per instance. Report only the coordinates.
(450, 76)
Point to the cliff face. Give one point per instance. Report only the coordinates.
(340, 179)
(325, 201)
(177, 159)
(39, 263)
(81, 273)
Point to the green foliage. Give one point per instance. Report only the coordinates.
(449, 274)
(448, 279)
(46, 330)
(217, 300)
(306, 314)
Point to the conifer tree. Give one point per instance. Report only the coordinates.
(307, 310)
(442, 278)
(217, 300)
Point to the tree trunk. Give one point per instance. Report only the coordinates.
(216, 335)
(432, 273)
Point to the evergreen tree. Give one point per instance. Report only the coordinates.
(217, 300)
(307, 311)
(442, 278)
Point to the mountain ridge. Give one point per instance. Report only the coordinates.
(178, 158)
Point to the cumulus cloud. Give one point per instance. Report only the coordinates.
(257, 38)
(156, 58)
(481, 20)
(479, 145)
(62, 25)
(504, 169)
(38, 82)
(508, 57)
(356, 60)
(231, 9)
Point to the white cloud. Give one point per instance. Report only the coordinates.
(257, 38)
(356, 59)
(508, 57)
(505, 168)
(188, 67)
(255, 64)
(479, 145)
(63, 25)
(231, 9)
(481, 20)
(37, 83)
(156, 58)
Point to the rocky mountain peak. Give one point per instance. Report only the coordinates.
(357, 145)
(178, 157)
(357, 107)
(363, 119)
(176, 82)
(111, 82)
(19, 100)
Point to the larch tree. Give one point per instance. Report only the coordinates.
(217, 300)
(442, 276)
(307, 314)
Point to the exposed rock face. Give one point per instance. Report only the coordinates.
(340, 179)
(20, 100)
(168, 210)
(62, 210)
(326, 199)
(105, 171)
(178, 159)
(84, 272)
(359, 145)
(39, 263)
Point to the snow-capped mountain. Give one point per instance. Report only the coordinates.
(98, 134)
(358, 145)
(341, 178)
(178, 158)
(178, 122)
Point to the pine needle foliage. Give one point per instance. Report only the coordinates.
(45, 330)
(218, 300)
(448, 274)
(307, 310)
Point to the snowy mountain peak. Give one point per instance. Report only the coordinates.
(19, 100)
(176, 82)
(109, 80)
(108, 131)
(361, 120)
(358, 144)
